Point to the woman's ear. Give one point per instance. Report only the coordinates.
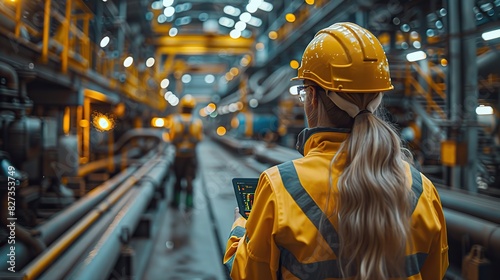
(314, 99)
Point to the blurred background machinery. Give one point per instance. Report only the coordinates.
(87, 88)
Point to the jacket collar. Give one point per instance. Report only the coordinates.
(310, 138)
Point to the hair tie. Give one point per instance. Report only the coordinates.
(362, 112)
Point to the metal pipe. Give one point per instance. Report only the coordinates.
(37, 266)
(481, 207)
(63, 265)
(102, 257)
(10, 83)
(56, 226)
(479, 231)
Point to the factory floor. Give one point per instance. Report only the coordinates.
(190, 244)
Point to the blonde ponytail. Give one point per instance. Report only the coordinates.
(374, 200)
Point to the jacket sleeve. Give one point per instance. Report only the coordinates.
(437, 263)
(251, 251)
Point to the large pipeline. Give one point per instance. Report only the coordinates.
(63, 265)
(479, 206)
(43, 261)
(107, 250)
(462, 227)
(56, 226)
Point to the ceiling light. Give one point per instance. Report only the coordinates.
(259, 46)
(186, 78)
(309, 2)
(245, 17)
(167, 94)
(157, 5)
(253, 103)
(484, 110)
(104, 42)
(255, 21)
(490, 35)
(209, 78)
(168, 3)
(290, 17)
(253, 5)
(150, 62)
(232, 11)
(227, 22)
(417, 44)
(183, 20)
(266, 7)
(183, 7)
(162, 18)
(416, 56)
(240, 26)
(203, 16)
(245, 60)
(235, 34)
(173, 100)
(164, 83)
(273, 35)
(234, 71)
(128, 61)
(169, 11)
(173, 32)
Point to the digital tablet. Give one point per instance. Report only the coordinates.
(244, 189)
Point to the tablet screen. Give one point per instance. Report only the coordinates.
(244, 189)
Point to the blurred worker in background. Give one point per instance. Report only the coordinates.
(186, 131)
(352, 207)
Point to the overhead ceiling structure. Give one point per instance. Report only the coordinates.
(204, 47)
(199, 42)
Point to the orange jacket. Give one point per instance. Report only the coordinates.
(281, 240)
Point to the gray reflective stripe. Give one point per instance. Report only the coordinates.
(414, 263)
(315, 270)
(416, 185)
(307, 204)
(229, 263)
(238, 231)
(330, 268)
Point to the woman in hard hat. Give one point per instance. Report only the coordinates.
(352, 207)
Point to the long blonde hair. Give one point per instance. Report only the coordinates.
(373, 200)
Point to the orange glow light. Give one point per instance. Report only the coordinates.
(273, 35)
(290, 17)
(221, 131)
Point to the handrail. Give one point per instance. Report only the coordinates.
(412, 82)
(72, 48)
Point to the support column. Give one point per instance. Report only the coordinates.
(462, 93)
(469, 94)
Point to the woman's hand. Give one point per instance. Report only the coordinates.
(237, 214)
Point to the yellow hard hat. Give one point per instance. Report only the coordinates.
(188, 101)
(345, 57)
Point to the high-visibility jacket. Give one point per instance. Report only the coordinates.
(185, 133)
(281, 238)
